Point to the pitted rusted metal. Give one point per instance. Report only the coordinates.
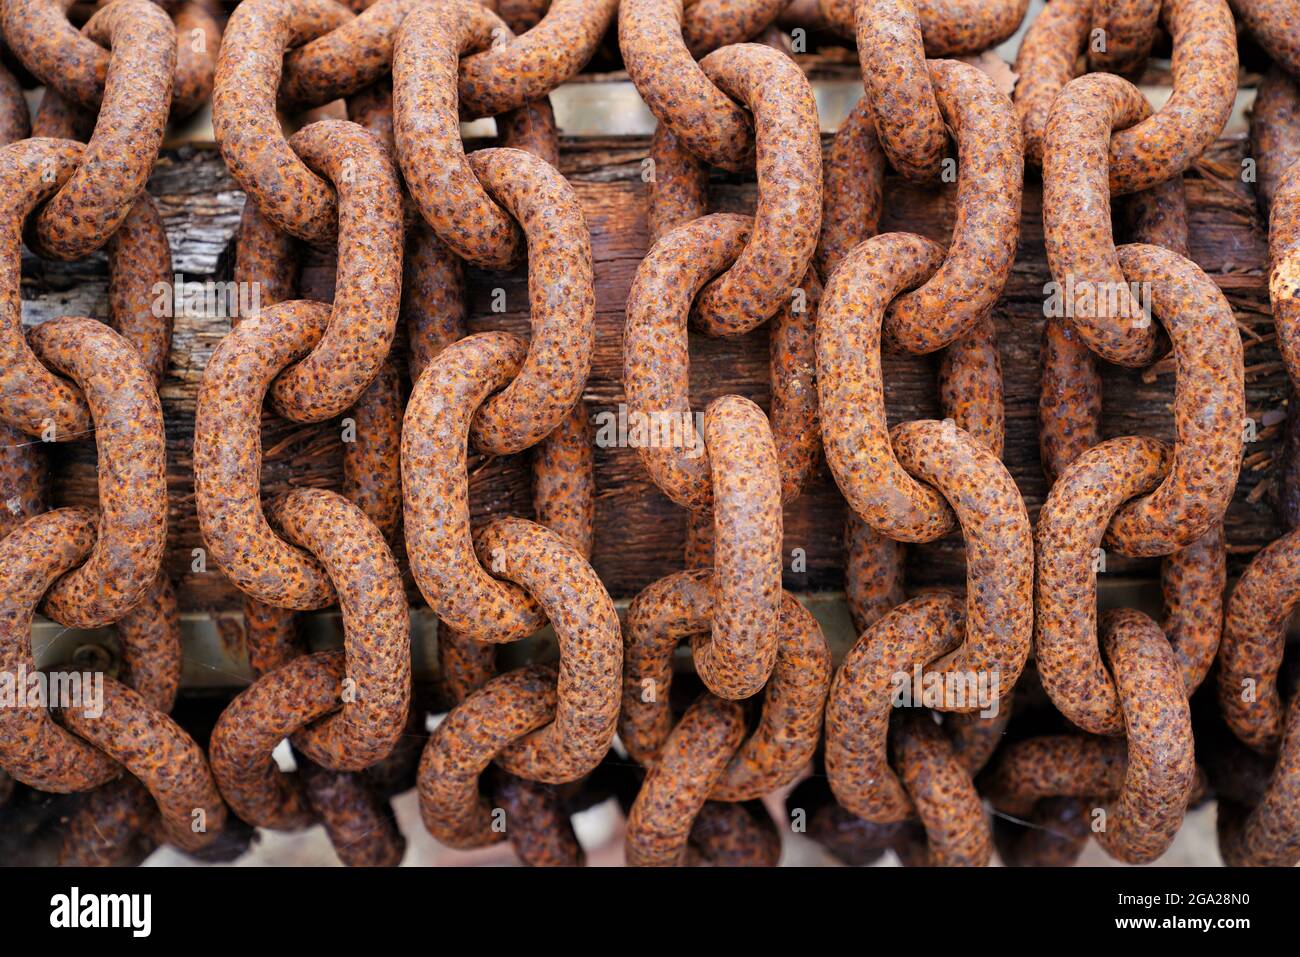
(733, 835)
(162, 756)
(787, 220)
(1103, 310)
(970, 385)
(1274, 133)
(537, 823)
(1254, 636)
(957, 829)
(139, 265)
(132, 453)
(1276, 27)
(375, 627)
(1284, 268)
(1209, 406)
(899, 92)
(228, 457)
(1204, 70)
(1193, 582)
(873, 572)
(150, 637)
(120, 155)
(15, 122)
(708, 122)
(591, 652)
(562, 295)
(33, 748)
(360, 826)
(1268, 834)
(852, 198)
(244, 120)
(433, 297)
(1128, 29)
(860, 702)
(681, 606)
(851, 391)
(679, 188)
(691, 762)
(363, 319)
(435, 490)
(710, 24)
(656, 362)
(949, 27)
(278, 704)
(1070, 528)
(500, 713)
(198, 39)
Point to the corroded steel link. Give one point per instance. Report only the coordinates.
(532, 128)
(435, 490)
(873, 572)
(1209, 406)
(1284, 268)
(591, 651)
(360, 826)
(426, 123)
(372, 465)
(521, 15)
(112, 827)
(433, 297)
(121, 153)
(733, 835)
(228, 457)
(681, 606)
(1057, 833)
(1046, 62)
(899, 92)
(132, 455)
(1274, 133)
(1204, 71)
(1076, 217)
(989, 183)
(1128, 29)
(24, 480)
(58, 119)
(139, 264)
(166, 760)
(537, 823)
(852, 199)
(949, 27)
(1254, 637)
(255, 722)
(675, 89)
(35, 399)
(1159, 216)
(363, 318)
(1071, 525)
(956, 827)
(1193, 581)
(679, 186)
(1275, 25)
(691, 762)
(999, 551)
(198, 39)
(265, 255)
(33, 748)
(270, 636)
(736, 658)
(970, 385)
(564, 481)
(375, 627)
(710, 24)
(1069, 765)
(460, 749)
(561, 292)
(345, 60)
(860, 703)
(15, 122)
(787, 219)
(244, 120)
(1142, 822)
(509, 74)
(656, 361)
(150, 636)
(851, 392)
(1269, 834)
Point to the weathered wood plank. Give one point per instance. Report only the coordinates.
(639, 531)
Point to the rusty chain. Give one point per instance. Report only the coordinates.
(910, 738)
